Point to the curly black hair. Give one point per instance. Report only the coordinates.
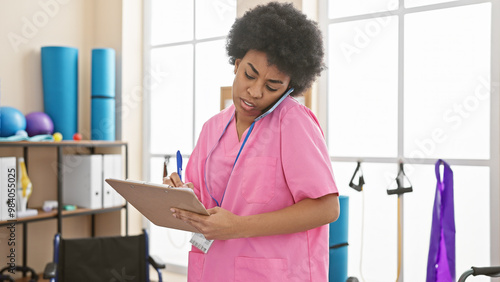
(292, 42)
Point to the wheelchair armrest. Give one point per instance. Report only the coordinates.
(50, 270)
(156, 262)
(491, 271)
(24, 269)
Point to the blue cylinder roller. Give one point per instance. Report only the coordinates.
(60, 88)
(103, 119)
(338, 243)
(103, 72)
(103, 94)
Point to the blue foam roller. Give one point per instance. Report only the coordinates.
(60, 88)
(339, 229)
(338, 265)
(103, 72)
(103, 119)
(339, 236)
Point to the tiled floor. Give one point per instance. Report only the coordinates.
(169, 277)
(174, 277)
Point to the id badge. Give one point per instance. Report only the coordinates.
(200, 242)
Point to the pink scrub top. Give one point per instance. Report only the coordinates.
(284, 161)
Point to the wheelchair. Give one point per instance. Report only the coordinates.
(4, 277)
(492, 271)
(120, 258)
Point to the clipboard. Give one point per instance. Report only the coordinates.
(155, 200)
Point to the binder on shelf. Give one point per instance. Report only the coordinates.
(82, 181)
(8, 186)
(112, 168)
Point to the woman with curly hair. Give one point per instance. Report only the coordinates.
(261, 166)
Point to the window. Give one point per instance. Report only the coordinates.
(414, 81)
(185, 66)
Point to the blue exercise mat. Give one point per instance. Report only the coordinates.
(103, 72)
(36, 138)
(60, 88)
(103, 119)
(103, 94)
(338, 243)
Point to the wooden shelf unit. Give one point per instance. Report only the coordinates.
(58, 214)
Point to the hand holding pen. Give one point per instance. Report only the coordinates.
(175, 179)
(179, 164)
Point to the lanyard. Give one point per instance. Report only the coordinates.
(234, 164)
(242, 145)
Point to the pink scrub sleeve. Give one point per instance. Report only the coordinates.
(305, 159)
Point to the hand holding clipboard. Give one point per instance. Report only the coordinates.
(154, 201)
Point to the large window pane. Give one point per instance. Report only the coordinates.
(372, 221)
(214, 17)
(380, 219)
(417, 220)
(415, 3)
(171, 90)
(471, 218)
(171, 21)
(156, 168)
(170, 245)
(212, 71)
(346, 8)
(362, 89)
(447, 81)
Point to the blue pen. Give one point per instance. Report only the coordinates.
(179, 164)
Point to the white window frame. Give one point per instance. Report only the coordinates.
(493, 163)
(147, 48)
(147, 155)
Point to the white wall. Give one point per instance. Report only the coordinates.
(29, 25)
(26, 26)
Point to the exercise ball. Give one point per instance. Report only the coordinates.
(11, 121)
(39, 123)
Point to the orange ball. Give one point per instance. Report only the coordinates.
(77, 137)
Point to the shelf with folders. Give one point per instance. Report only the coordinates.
(59, 213)
(47, 172)
(53, 214)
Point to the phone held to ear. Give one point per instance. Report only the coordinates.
(271, 109)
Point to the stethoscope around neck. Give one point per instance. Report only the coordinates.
(270, 110)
